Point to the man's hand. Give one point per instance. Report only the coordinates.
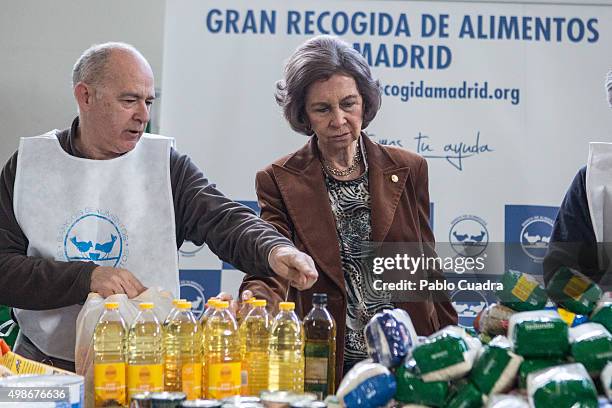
(107, 281)
(295, 266)
(234, 305)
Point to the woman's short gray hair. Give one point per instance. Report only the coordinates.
(91, 65)
(318, 59)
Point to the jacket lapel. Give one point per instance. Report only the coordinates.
(301, 183)
(387, 181)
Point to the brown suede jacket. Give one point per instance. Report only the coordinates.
(293, 197)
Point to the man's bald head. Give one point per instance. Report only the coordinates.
(91, 67)
(114, 89)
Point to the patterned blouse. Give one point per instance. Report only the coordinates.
(350, 203)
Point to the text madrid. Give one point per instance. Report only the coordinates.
(423, 284)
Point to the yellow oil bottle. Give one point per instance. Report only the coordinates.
(174, 310)
(182, 360)
(109, 357)
(286, 351)
(210, 308)
(246, 307)
(223, 353)
(254, 342)
(145, 353)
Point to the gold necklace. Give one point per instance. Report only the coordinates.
(343, 173)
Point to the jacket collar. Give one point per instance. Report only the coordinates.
(301, 182)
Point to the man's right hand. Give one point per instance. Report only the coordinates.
(234, 305)
(106, 281)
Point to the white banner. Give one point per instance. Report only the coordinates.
(501, 98)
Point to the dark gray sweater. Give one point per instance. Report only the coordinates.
(202, 215)
(573, 241)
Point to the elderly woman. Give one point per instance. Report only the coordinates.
(342, 189)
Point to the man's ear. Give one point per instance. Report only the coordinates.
(84, 95)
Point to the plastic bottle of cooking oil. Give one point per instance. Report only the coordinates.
(254, 338)
(320, 348)
(109, 357)
(210, 308)
(174, 310)
(145, 353)
(246, 307)
(223, 353)
(286, 351)
(182, 361)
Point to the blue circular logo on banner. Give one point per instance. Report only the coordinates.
(535, 236)
(468, 235)
(94, 237)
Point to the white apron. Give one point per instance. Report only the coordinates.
(116, 212)
(599, 198)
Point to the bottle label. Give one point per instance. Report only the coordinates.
(224, 380)
(109, 383)
(145, 377)
(191, 380)
(316, 368)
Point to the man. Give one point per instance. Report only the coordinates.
(101, 208)
(581, 234)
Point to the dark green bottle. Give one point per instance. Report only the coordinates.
(320, 349)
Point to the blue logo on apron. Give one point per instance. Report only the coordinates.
(104, 248)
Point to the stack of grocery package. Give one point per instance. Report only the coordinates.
(25, 383)
(537, 347)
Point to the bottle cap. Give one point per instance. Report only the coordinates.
(146, 306)
(212, 302)
(222, 304)
(251, 300)
(175, 302)
(319, 299)
(111, 305)
(286, 306)
(184, 305)
(260, 302)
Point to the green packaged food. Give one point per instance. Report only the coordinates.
(606, 380)
(573, 291)
(446, 355)
(563, 386)
(591, 345)
(412, 389)
(539, 334)
(467, 396)
(521, 292)
(496, 368)
(8, 326)
(603, 314)
(529, 366)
